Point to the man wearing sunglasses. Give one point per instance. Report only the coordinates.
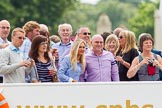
(84, 33)
(12, 65)
(4, 32)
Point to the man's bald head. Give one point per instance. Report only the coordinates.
(97, 37)
(4, 29)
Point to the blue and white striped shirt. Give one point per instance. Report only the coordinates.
(42, 69)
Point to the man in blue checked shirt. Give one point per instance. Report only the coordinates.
(32, 29)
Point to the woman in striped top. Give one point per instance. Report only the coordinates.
(40, 53)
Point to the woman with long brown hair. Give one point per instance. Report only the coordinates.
(40, 53)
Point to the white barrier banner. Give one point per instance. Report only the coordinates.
(84, 95)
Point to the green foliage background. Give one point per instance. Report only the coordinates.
(49, 12)
(136, 15)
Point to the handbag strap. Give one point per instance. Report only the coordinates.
(36, 73)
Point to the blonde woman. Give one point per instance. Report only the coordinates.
(128, 51)
(73, 64)
(112, 44)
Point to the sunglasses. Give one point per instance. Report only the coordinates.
(42, 43)
(120, 37)
(85, 33)
(21, 38)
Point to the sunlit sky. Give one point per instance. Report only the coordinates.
(89, 1)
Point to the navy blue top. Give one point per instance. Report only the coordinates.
(42, 69)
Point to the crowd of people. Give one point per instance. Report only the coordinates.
(35, 56)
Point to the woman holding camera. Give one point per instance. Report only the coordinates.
(147, 64)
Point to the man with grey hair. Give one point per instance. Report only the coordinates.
(45, 32)
(4, 32)
(43, 27)
(63, 47)
(84, 33)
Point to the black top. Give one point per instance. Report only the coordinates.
(128, 57)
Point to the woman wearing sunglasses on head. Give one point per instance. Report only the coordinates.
(128, 51)
(45, 66)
